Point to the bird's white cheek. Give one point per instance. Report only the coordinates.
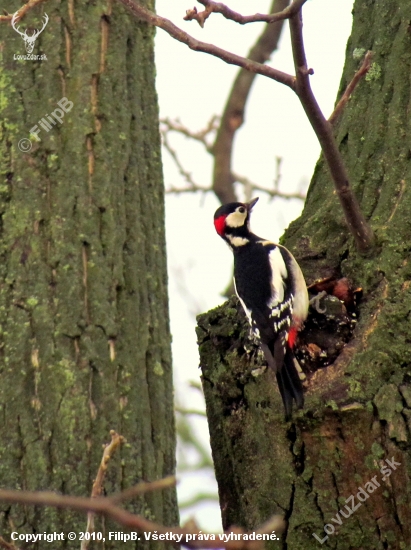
(235, 219)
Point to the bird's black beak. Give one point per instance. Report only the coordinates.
(251, 204)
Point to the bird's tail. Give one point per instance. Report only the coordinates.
(289, 384)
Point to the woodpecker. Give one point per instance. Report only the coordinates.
(271, 288)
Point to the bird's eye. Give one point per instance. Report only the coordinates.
(241, 209)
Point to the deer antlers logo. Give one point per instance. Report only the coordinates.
(29, 41)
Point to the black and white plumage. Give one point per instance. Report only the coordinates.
(272, 290)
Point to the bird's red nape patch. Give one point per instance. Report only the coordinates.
(292, 337)
(219, 224)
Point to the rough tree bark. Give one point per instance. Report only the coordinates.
(85, 341)
(358, 410)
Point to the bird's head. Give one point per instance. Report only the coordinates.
(232, 221)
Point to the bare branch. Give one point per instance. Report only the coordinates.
(217, 7)
(109, 449)
(201, 137)
(193, 412)
(248, 184)
(362, 71)
(278, 162)
(169, 125)
(104, 506)
(358, 225)
(273, 193)
(22, 11)
(142, 488)
(233, 115)
(231, 120)
(184, 190)
(193, 186)
(196, 45)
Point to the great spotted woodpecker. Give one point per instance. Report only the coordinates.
(271, 288)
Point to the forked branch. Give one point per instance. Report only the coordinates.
(362, 71)
(109, 507)
(234, 110)
(224, 129)
(218, 7)
(231, 58)
(21, 12)
(358, 225)
(188, 536)
(109, 449)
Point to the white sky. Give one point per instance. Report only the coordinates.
(193, 87)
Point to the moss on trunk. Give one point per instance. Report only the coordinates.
(85, 341)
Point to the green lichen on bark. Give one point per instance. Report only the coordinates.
(83, 291)
(357, 410)
(304, 470)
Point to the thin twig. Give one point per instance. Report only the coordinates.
(358, 225)
(228, 13)
(278, 162)
(22, 11)
(248, 184)
(193, 186)
(273, 193)
(233, 115)
(362, 71)
(193, 412)
(171, 190)
(142, 488)
(201, 137)
(231, 120)
(168, 125)
(134, 522)
(109, 449)
(149, 17)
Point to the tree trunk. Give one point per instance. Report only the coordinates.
(85, 341)
(357, 417)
